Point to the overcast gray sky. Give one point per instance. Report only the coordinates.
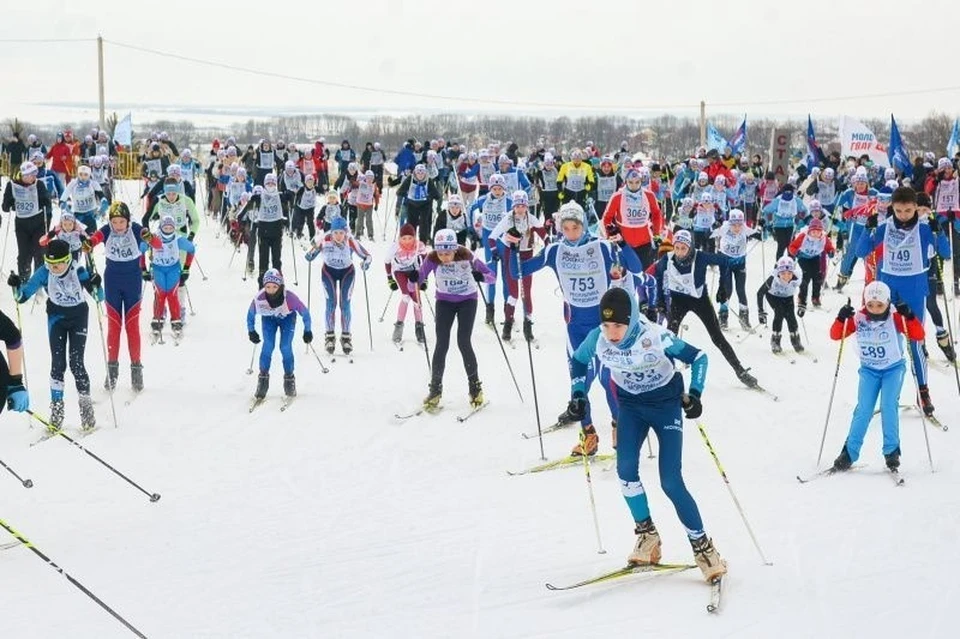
(644, 57)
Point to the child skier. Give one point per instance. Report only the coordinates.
(779, 290)
(304, 204)
(265, 211)
(487, 211)
(123, 288)
(368, 198)
(337, 248)
(882, 368)
(513, 240)
(782, 214)
(733, 235)
(638, 358)
(70, 231)
(329, 212)
(455, 219)
(457, 273)
(278, 310)
(403, 262)
(83, 195)
(167, 276)
(810, 247)
(64, 280)
(29, 200)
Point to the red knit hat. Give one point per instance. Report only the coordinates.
(407, 229)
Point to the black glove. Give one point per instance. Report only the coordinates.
(872, 221)
(761, 221)
(692, 407)
(392, 283)
(191, 235)
(801, 310)
(423, 286)
(478, 277)
(307, 337)
(413, 276)
(14, 280)
(95, 280)
(514, 233)
(612, 229)
(904, 311)
(494, 256)
(846, 312)
(577, 407)
(146, 275)
(183, 276)
(254, 337)
(762, 317)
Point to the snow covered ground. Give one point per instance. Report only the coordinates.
(334, 520)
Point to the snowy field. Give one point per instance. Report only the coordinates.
(335, 520)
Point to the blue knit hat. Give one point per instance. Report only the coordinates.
(273, 276)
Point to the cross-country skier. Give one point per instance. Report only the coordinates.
(167, 275)
(304, 204)
(487, 212)
(28, 199)
(265, 211)
(731, 240)
(638, 357)
(513, 240)
(403, 261)
(810, 247)
(779, 289)
(882, 369)
(637, 216)
(278, 309)
(415, 196)
(855, 197)
(782, 215)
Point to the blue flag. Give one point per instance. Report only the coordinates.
(953, 144)
(714, 139)
(739, 139)
(896, 152)
(814, 154)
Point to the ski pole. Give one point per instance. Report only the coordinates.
(366, 295)
(319, 361)
(736, 502)
(916, 382)
(426, 349)
(26, 542)
(103, 348)
(536, 400)
(293, 256)
(593, 503)
(833, 390)
(200, 268)
(387, 305)
(430, 306)
(503, 350)
(946, 307)
(803, 325)
(252, 356)
(189, 299)
(154, 497)
(26, 482)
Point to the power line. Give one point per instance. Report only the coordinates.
(43, 40)
(863, 96)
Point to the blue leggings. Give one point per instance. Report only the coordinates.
(270, 327)
(636, 420)
(338, 286)
(886, 385)
(912, 291)
(850, 255)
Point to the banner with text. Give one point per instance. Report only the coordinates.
(780, 154)
(856, 140)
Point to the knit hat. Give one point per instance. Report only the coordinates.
(615, 306)
(28, 168)
(445, 240)
(520, 197)
(816, 224)
(67, 216)
(273, 276)
(785, 265)
(119, 209)
(58, 252)
(876, 291)
(683, 237)
(942, 163)
(407, 229)
(735, 216)
(338, 224)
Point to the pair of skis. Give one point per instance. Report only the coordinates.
(433, 411)
(894, 475)
(286, 402)
(716, 584)
(562, 462)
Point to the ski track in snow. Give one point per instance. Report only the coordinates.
(334, 520)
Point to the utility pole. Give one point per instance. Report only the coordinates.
(100, 80)
(703, 118)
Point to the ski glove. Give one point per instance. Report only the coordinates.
(801, 310)
(904, 311)
(423, 286)
(147, 276)
(367, 261)
(392, 283)
(254, 337)
(413, 276)
(762, 316)
(478, 277)
(191, 235)
(692, 407)
(183, 276)
(95, 280)
(872, 221)
(17, 398)
(577, 406)
(845, 313)
(14, 280)
(307, 337)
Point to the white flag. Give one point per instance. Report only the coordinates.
(123, 134)
(856, 140)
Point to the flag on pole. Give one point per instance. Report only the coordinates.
(814, 154)
(714, 139)
(858, 140)
(123, 133)
(896, 152)
(739, 139)
(953, 144)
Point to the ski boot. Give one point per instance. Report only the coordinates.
(156, 330)
(489, 319)
(56, 414)
(744, 376)
(507, 329)
(795, 342)
(397, 332)
(565, 417)
(113, 371)
(528, 329)
(722, 315)
(925, 403)
(476, 393)
(801, 308)
(263, 384)
(647, 549)
(613, 434)
(177, 327)
(841, 282)
(843, 461)
(745, 319)
(346, 343)
(775, 343)
(418, 331)
(589, 442)
(432, 401)
(87, 419)
(136, 376)
(893, 459)
(329, 342)
(249, 269)
(708, 559)
(290, 385)
(943, 341)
